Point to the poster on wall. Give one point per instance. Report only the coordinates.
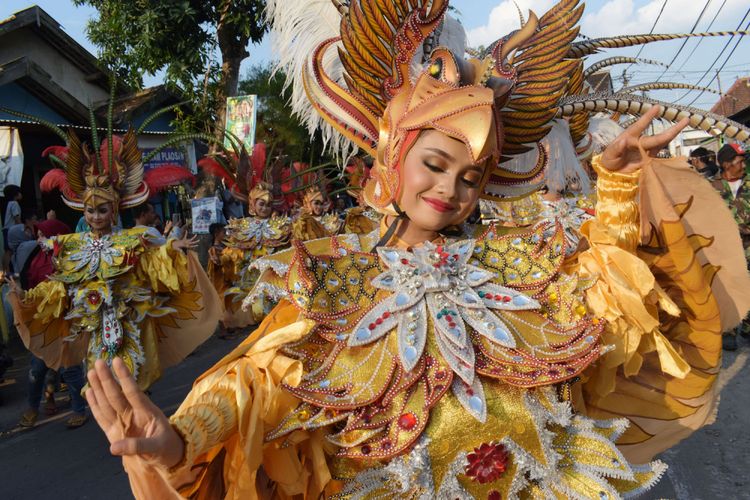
(240, 120)
(205, 211)
(11, 157)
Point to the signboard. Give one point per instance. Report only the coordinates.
(167, 156)
(240, 120)
(205, 211)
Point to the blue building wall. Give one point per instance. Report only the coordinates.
(15, 97)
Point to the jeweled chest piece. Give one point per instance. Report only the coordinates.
(435, 285)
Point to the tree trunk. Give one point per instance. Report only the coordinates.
(233, 51)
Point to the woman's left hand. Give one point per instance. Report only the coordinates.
(626, 153)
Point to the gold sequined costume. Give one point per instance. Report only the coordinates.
(449, 370)
(124, 293)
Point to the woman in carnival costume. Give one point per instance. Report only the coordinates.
(442, 364)
(115, 293)
(360, 219)
(312, 222)
(247, 238)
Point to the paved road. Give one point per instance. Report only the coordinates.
(51, 462)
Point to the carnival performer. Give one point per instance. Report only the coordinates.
(247, 238)
(360, 219)
(312, 222)
(440, 364)
(115, 293)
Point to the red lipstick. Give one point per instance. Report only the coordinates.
(439, 205)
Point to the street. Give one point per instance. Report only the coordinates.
(50, 461)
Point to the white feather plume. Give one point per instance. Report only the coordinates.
(297, 28)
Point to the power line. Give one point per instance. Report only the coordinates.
(700, 40)
(718, 56)
(685, 41)
(651, 31)
(716, 75)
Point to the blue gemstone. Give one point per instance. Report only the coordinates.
(501, 335)
(476, 404)
(476, 275)
(469, 298)
(324, 383)
(410, 354)
(516, 241)
(341, 336)
(521, 300)
(390, 255)
(401, 299)
(463, 248)
(388, 280)
(363, 334)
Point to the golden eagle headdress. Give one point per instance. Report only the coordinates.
(111, 173)
(372, 73)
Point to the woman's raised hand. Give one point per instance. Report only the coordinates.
(132, 423)
(630, 151)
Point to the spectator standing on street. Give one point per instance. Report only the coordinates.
(35, 268)
(13, 210)
(702, 160)
(734, 186)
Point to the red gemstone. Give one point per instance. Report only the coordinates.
(371, 326)
(440, 374)
(506, 299)
(407, 421)
(379, 321)
(448, 318)
(404, 261)
(487, 463)
(366, 449)
(386, 315)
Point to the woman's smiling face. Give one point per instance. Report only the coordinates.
(440, 184)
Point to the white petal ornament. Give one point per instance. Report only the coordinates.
(438, 281)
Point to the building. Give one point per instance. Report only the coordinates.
(735, 103)
(46, 74)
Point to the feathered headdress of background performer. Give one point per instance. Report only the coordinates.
(352, 66)
(245, 174)
(357, 175)
(111, 170)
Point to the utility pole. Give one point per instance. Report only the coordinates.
(721, 100)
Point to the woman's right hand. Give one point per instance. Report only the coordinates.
(132, 423)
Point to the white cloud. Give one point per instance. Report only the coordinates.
(503, 19)
(613, 17)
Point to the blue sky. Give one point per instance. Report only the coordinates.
(486, 20)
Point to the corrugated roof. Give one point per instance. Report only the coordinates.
(735, 100)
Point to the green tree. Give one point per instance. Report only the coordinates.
(180, 37)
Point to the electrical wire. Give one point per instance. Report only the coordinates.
(685, 41)
(650, 32)
(717, 57)
(700, 40)
(716, 75)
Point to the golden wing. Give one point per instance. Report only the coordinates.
(75, 164)
(378, 41)
(132, 161)
(543, 74)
